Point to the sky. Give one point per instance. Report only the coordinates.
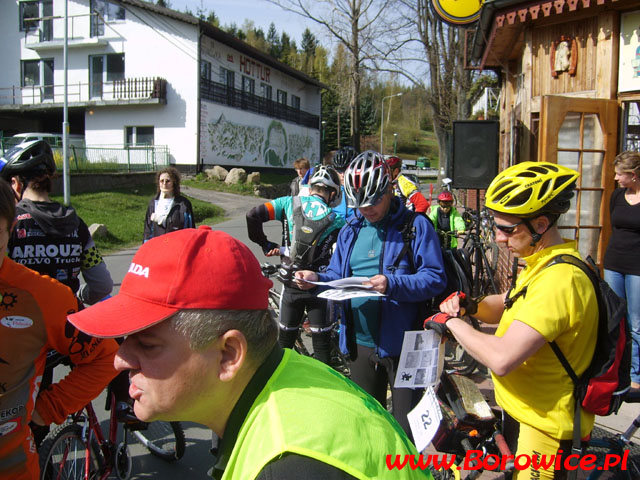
(261, 12)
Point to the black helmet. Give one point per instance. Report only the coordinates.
(343, 157)
(31, 159)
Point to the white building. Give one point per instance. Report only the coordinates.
(143, 74)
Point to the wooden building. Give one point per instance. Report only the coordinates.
(570, 89)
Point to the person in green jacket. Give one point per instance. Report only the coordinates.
(447, 220)
(201, 346)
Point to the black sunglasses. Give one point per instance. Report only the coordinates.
(508, 229)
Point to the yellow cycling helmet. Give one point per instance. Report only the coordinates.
(530, 189)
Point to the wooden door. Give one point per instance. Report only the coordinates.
(580, 133)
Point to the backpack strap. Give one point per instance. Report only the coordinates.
(576, 447)
(408, 231)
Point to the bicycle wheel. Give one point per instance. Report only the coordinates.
(339, 361)
(456, 357)
(63, 455)
(603, 443)
(299, 346)
(165, 440)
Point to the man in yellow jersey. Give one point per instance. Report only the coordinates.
(405, 188)
(546, 304)
(202, 347)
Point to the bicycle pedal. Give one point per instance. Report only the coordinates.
(136, 425)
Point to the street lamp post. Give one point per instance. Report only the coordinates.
(395, 143)
(324, 128)
(382, 118)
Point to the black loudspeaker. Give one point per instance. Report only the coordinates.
(475, 153)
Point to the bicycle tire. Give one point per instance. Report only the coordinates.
(63, 453)
(457, 358)
(603, 443)
(164, 440)
(299, 346)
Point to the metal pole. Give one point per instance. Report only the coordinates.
(382, 118)
(382, 124)
(395, 143)
(65, 110)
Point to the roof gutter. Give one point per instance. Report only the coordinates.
(485, 25)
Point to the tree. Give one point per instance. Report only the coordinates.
(442, 48)
(355, 24)
(163, 3)
(273, 41)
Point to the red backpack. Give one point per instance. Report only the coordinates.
(603, 385)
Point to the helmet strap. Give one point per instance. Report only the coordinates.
(535, 236)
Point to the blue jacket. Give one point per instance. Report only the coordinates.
(406, 290)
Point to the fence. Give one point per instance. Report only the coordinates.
(110, 158)
(147, 158)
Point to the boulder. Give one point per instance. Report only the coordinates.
(236, 175)
(271, 191)
(217, 172)
(98, 230)
(253, 177)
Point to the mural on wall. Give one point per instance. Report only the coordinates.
(268, 143)
(629, 62)
(237, 143)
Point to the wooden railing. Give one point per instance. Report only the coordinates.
(113, 91)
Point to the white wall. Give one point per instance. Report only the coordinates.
(154, 46)
(221, 55)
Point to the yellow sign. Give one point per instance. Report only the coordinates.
(457, 12)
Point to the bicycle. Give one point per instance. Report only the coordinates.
(605, 445)
(78, 449)
(468, 423)
(481, 251)
(339, 361)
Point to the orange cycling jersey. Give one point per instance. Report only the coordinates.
(33, 320)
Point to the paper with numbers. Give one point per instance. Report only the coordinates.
(421, 360)
(424, 419)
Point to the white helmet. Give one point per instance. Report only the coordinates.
(366, 180)
(326, 176)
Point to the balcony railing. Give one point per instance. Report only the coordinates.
(220, 93)
(117, 91)
(84, 28)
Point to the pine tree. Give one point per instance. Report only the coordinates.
(273, 40)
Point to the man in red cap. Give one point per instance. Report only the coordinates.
(201, 346)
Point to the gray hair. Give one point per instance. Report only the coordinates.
(202, 327)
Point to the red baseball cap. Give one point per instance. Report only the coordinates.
(182, 270)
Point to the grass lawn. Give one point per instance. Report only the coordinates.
(123, 211)
(272, 178)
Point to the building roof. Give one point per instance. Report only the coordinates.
(226, 38)
(499, 34)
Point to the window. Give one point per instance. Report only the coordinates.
(139, 135)
(631, 126)
(105, 68)
(227, 77)
(108, 10)
(104, 11)
(30, 73)
(205, 70)
(267, 91)
(38, 73)
(29, 10)
(282, 97)
(295, 102)
(248, 85)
